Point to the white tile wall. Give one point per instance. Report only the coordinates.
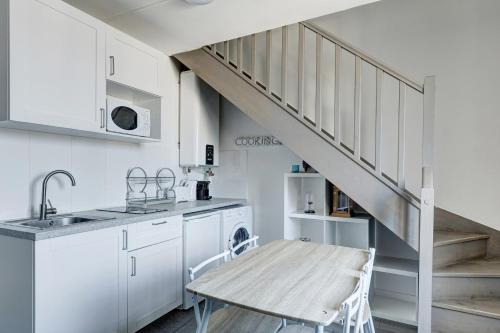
(98, 166)
(14, 178)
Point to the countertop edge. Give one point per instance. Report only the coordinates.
(119, 219)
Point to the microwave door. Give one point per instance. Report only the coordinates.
(122, 119)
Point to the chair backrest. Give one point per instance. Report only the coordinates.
(245, 246)
(351, 305)
(193, 270)
(365, 279)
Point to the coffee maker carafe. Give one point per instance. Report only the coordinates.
(202, 190)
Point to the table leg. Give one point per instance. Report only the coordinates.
(202, 328)
(319, 329)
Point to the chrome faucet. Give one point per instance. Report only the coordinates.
(43, 206)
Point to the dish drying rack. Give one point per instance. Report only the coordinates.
(139, 188)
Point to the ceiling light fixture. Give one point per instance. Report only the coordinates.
(198, 2)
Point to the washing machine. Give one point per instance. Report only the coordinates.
(237, 226)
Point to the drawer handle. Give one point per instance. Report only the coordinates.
(159, 223)
(134, 266)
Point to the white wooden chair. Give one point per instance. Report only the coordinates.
(248, 245)
(356, 311)
(232, 319)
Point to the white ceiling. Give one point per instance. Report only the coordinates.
(173, 26)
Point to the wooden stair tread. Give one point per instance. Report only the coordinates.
(486, 307)
(442, 238)
(471, 268)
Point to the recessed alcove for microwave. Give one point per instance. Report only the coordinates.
(142, 99)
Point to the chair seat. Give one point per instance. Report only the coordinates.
(306, 329)
(237, 320)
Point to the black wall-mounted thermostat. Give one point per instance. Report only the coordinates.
(209, 155)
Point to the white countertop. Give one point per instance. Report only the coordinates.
(117, 219)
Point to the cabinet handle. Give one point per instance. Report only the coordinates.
(125, 240)
(111, 65)
(103, 118)
(134, 266)
(159, 223)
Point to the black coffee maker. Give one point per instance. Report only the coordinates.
(202, 190)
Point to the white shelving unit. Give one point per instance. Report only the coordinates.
(320, 227)
(394, 309)
(394, 292)
(398, 266)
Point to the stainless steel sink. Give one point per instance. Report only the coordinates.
(57, 221)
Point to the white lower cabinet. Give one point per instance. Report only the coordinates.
(154, 282)
(77, 283)
(91, 283)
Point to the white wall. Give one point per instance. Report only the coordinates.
(252, 172)
(458, 41)
(98, 166)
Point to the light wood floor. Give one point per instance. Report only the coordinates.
(179, 321)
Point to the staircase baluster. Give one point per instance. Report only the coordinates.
(301, 71)
(268, 61)
(357, 110)
(226, 51)
(336, 116)
(284, 67)
(378, 124)
(254, 58)
(401, 135)
(239, 55)
(319, 48)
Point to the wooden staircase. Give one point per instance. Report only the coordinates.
(368, 129)
(466, 282)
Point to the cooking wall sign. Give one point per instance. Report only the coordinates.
(257, 141)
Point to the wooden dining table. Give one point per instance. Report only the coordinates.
(300, 281)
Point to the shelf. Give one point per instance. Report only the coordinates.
(303, 175)
(127, 138)
(318, 216)
(398, 266)
(394, 309)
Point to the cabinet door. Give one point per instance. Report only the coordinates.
(154, 285)
(132, 63)
(77, 283)
(57, 56)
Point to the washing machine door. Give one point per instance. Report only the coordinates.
(239, 235)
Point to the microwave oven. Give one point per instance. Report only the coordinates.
(126, 118)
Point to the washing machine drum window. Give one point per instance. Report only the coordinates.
(240, 235)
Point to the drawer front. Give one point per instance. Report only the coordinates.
(154, 231)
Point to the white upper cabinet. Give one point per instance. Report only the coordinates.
(132, 63)
(57, 64)
(53, 63)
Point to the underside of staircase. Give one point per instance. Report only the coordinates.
(397, 210)
(466, 278)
